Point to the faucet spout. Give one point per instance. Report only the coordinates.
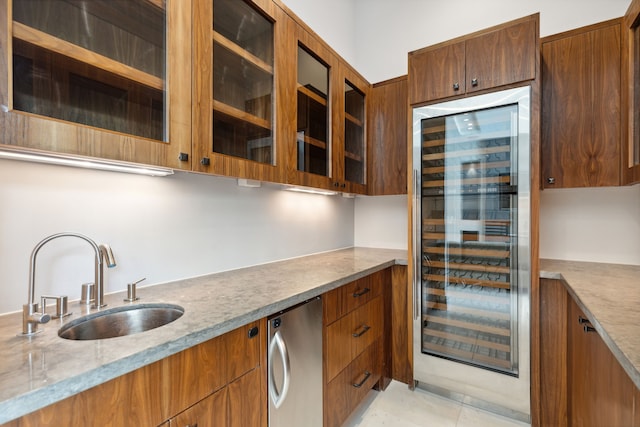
(105, 255)
(30, 315)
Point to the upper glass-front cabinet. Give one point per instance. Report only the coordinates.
(94, 75)
(313, 131)
(235, 65)
(97, 63)
(242, 81)
(354, 142)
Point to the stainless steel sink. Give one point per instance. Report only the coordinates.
(120, 321)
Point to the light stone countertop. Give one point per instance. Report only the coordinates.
(38, 371)
(609, 295)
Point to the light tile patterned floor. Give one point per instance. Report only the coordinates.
(398, 406)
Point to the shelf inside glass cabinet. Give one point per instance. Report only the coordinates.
(242, 75)
(354, 122)
(99, 63)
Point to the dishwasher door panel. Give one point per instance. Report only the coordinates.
(295, 366)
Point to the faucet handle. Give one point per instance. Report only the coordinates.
(61, 305)
(131, 290)
(31, 318)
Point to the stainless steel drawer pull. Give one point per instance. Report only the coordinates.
(365, 328)
(357, 294)
(588, 328)
(367, 374)
(583, 320)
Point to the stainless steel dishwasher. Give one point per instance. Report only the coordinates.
(295, 366)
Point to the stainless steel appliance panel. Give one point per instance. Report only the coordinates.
(295, 366)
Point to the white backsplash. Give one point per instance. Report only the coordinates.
(163, 229)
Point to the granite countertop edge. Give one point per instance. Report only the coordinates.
(350, 264)
(584, 281)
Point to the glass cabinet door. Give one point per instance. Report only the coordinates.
(313, 130)
(99, 63)
(354, 127)
(469, 237)
(243, 64)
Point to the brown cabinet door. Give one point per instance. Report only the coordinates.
(209, 412)
(437, 72)
(247, 402)
(501, 57)
(349, 336)
(600, 391)
(235, 63)
(387, 138)
(581, 108)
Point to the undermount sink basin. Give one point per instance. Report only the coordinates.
(120, 321)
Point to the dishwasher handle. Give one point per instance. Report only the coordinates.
(277, 397)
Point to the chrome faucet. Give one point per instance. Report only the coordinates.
(30, 315)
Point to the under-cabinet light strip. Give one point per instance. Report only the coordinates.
(12, 153)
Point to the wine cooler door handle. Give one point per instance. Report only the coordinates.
(278, 397)
(417, 256)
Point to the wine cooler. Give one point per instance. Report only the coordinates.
(471, 243)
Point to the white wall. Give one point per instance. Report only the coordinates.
(159, 228)
(591, 224)
(388, 30)
(575, 224)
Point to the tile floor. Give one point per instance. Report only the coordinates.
(398, 406)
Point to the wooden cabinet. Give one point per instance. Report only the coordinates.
(221, 382)
(387, 137)
(350, 117)
(581, 382)
(326, 140)
(499, 56)
(354, 343)
(235, 66)
(209, 412)
(582, 107)
(631, 76)
(97, 79)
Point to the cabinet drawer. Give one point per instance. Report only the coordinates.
(351, 335)
(344, 299)
(199, 371)
(347, 390)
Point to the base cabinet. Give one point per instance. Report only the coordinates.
(582, 383)
(221, 382)
(354, 344)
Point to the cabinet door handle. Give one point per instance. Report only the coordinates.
(474, 82)
(357, 294)
(551, 180)
(367, 374)
(205, 161)
(586, 324)
(365, 328)
(456, 86)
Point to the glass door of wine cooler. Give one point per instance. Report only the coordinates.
(471, 162)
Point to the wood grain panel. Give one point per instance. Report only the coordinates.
(581, 110)
(346, 298)
(434, 71)
(387, 137)
(503, 56)
(350, 335)
(210, 412)
(631, 93)
(247, 406)
(341, 396)
(553, 353)
(103, 405)
(401, 368)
